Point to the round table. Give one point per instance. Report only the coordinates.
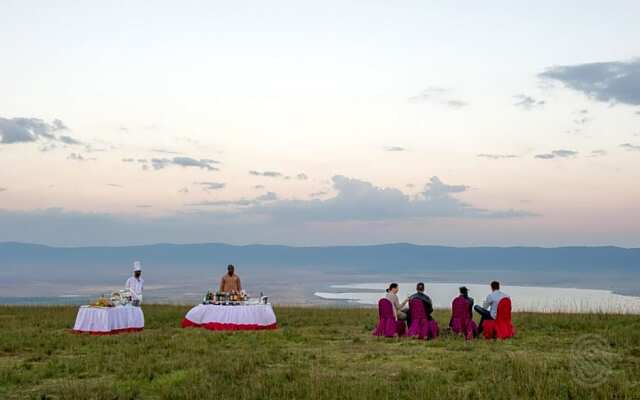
(249, 317)
(109, 320)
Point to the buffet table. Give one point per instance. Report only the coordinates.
(109, 320)
(248, 317)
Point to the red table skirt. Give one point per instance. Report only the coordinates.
(113, 332)
(214, 326)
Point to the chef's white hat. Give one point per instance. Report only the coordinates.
(137, 266)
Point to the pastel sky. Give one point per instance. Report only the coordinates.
(458, 123)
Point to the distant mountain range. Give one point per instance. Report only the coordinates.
(372, 258)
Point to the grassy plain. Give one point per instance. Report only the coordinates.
(317, 353)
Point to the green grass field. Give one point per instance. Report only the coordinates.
(317, 353)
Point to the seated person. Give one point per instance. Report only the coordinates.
(426, 302)
(489, 308)
(392, 296)
(462, 307)
(230, 282)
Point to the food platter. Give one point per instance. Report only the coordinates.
(232, 298)
(225, 298)
(116, 298)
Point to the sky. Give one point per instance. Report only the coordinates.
(320, 123)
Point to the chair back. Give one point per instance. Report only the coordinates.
(416, 308)
(388, 326)
(504, 310)
(385, 309)
(501, 328)
(460, 308)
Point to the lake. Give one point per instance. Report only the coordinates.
(524, 298)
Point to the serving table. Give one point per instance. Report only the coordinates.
(109, 320)
(246, 317)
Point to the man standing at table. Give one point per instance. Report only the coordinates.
(230, 282)
(135, 284)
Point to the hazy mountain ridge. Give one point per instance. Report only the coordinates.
(372, 257)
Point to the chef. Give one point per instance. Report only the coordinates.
(135, 284)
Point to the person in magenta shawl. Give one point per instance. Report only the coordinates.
(462, 311)
(464, 294)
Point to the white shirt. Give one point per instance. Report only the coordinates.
(492, 301)
(135, 285)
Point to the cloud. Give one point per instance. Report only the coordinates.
(163, 151)
(359, 212)
(394, 148)
(496, 156)
(432, 92)
(3, 189)
(358, 200)
(78, 157)
(115, 185)
(90, 149)
(318, 194)
(211, 185)
(161, 163)
(582, 118)
(274, 174)
(26, 130)
(612, 82)
(68, 140)
(48, 147)
(527, 102)
(598, 153)
(258, 187)
(267, 197)
(144, 206)
(436, 188)
(630, 147)
(184, 190)
(268, 174)
(438, 95)
(557, 154)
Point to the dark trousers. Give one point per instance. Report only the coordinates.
(484, 315)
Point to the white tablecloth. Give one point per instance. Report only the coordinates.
(109, 320)
(245, 317)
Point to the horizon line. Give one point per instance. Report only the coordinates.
(314, 246)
